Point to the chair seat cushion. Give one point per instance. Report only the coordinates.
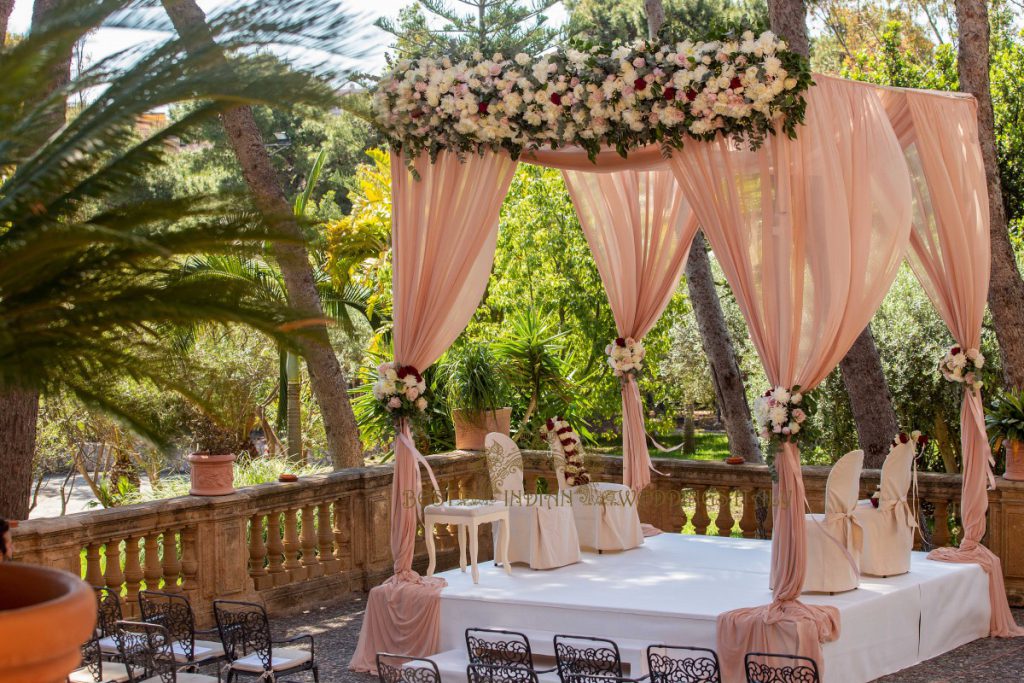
(185, 678)
(204, 649)
(112, 673)
(283, 658)
(108, 645)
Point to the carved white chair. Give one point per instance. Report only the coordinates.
(889, 528)
(542, 533)
(834, 539)
(605, 512)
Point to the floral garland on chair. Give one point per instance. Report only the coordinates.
(626, 357)
(963, 366)
(630, 96)
(562, 437)
(400, 390)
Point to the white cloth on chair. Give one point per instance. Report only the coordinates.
(889, 528)
(542, 532)
(834, 539)
(605, 512)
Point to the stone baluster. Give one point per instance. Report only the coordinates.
(670, 497)
(171, 564)
(113, 577)
(189, 562)
(275, 550)
(940, 535)
(342, 532)
(724, 521)
(257, 553)
(325, 539)
(93, 566)
(700, 517)
(309, 539)
(748, 519)
(152, 570)
(291, 546)
(133, 573)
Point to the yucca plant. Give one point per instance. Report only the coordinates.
(90, 278)
(475, 380)
(1005, 418)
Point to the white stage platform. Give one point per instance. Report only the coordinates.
(671, 590)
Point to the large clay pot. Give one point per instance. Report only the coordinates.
(45, 616)
(1014, 461)
(472, 426)
(212, 475)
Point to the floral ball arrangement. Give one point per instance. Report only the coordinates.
(400, 390)
(961, 366)
(625, 356)
(591, 97)
(562, 438)
(779, 413)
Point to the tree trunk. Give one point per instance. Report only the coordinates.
(870, 400)
(19, 413)
(725, 371)
(6, 7)
(1006, 288)
(325, 374)
(714, 335)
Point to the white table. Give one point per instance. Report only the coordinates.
(468, 515)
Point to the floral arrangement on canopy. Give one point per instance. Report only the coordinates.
(780, 414)
(563, 438)
(624, 98)
(626, 357)
(963, 366)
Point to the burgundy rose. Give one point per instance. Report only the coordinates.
(402, 372)
(415, 113)
(922, 440)
(639, 84)
(955, 350)
(565, 430)
(768, 393)
(735, 83)
(556, 99)
(669, 93)
(620, 341)
(551, 424)
(482, 107)
(904, 438)
(691, 94)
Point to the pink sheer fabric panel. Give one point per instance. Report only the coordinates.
(950, 256)
(810, 234)
(639, 228)
(444, 232)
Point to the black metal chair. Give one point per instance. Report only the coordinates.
(402, 669)
(585, 659)
(500, 673)
(108, 613)
(174, 613)
(94, 669)
(768, 667)
(147, 654)
(245, 632)
(681, 664)
(498, 647)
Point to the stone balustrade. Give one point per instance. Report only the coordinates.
(296, 544)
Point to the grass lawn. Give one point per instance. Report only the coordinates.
(710, 446)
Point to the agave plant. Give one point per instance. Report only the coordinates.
(1005, 418)
(90, 277)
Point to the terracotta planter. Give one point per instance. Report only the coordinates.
(472, 426)
(45, 616)
(212, 475)
(1014, 461)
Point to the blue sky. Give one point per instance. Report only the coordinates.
(107, 41)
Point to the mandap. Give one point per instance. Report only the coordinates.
(810, 189)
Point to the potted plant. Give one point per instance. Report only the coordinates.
(477, 391)
(45, 616)
(1005, 423)
(213, 458)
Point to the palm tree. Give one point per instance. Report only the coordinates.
(90, 277)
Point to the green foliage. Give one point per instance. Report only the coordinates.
(474, 379)
(610, 21)
(248, 472)
(1005, 418)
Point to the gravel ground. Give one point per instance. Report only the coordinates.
(335, 627)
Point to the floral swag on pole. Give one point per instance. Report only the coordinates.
(626, 357)
(780, 414)
(629, 97)
(963, 367)
(400, 390)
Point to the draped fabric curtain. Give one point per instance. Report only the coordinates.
(443, 235)
(950, 255)
(810, 234)
(639, 228)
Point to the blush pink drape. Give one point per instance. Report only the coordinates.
(639, 228)
(810, 234)
(951, 257)
(444, 232)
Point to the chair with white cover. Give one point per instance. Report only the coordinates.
(889, 528)
(834, 539)
(605, 512)
(542, 533)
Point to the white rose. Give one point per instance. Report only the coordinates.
(780, 394)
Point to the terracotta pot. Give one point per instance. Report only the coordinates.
(212, 475)
(45, 616)
(735, 460)
(1014, 461)
(472, 426)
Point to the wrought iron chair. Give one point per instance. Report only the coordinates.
(251, 652)
(146, 650)
(500, 673)
(402, 669)
(584, 659)
(174, 613)
(108, 606)
(497, 647)
(790, 669)
(94, 669)
(681, 664)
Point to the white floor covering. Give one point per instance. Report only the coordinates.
(671, 590)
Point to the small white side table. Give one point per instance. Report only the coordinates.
(467, 515)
